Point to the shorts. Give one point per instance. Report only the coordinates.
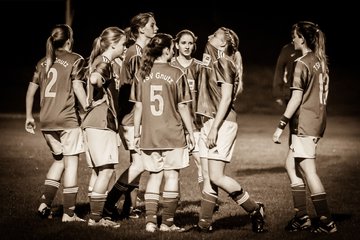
(127, 137)
(304, 146)
(66, 142)
(101, 147)
(158, 160)
(225, 142)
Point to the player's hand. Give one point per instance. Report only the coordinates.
(277, 135)
(211, 138)
(137, 145)
(30, 125)
(190, 140)
(280, 102)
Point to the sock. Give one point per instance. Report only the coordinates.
(299, 197)
(126, 209)
(243, 199)
(321, 207)
(201, 183)
(151, 206)
(69, 195)
(208, 202)
(170, 204)
(114, 195)
(49, 191)
(97, 201)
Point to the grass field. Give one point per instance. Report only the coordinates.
(257, 164)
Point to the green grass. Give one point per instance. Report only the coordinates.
(257, 164)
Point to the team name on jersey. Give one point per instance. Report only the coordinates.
(160, 76)
(62, 62)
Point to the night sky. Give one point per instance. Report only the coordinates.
(262, 29)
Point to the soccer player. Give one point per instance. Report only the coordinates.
(219, 84)
(306, 113)
(142, 28)
(161, 93)
(100, 123)
(284, 73)
(185, 46)
(60, 78)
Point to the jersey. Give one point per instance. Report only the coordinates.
(284, 72)
(102, 113)
(160, 93)
(310, 118)
(127, 75)
(219, 70)
(192, 74)
(58, 104)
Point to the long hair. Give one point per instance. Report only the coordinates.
(152, 51)
(137, 22)
(59, 35)
(315, 40)
(108, 36)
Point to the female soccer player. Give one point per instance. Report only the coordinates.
(306, 112)
(100, 123)
(161, 93)
(219, 84)
(60, 78)
(142, 29)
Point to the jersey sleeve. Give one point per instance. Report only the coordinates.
(225, 71)
(300, 76)
(184, 94)
(135, 94)
(78, 70)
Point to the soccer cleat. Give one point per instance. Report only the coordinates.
(298, 224)
(257, 219)
(44, 211)
(104, 222)
(112, 214)
(322, 227)
(74, 218)
(151, 227)
(172, 228)
(134, 213)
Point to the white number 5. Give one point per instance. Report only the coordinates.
(156, 97)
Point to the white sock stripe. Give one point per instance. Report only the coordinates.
(243, 199)
(70, 190)
(120, 187)
(52, 183)
(297, 185)
(170, 194)
(154, 196)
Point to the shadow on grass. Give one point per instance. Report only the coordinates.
(254, 171)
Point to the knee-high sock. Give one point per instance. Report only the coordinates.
(97, 201)
(69, 195)
(208, 202)
(243, 199)
(170, 204)
(151, 206)
(299, 198)
(321, 207)
(49, 191)
(114, 195)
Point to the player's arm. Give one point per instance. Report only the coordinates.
(30, 122)
(291, 108)
(78, 73)
(226, 98)
(188, 122)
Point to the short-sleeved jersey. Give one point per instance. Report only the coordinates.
(192, 74)
(219, 70)
(102, 113)
(310, 118)
(127, 75)
(58, 103)
(284, 71)
(160, 93)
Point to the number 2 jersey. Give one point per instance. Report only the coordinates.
(310, 118)
(58, 104)
(160, 93)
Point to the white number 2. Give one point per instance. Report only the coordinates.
(52, 75)
(156, 97)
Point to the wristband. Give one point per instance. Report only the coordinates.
(283, 122)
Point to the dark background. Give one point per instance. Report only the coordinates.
(263, 28)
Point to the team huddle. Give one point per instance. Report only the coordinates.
(145, 89)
